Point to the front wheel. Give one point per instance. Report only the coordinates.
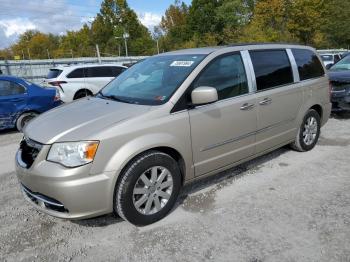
(309, 132)
(148, 188)
(23, 120)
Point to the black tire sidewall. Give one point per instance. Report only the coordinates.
(124, 191)
(23, 119)
(301, 140)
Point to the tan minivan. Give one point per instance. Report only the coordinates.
(169, 120)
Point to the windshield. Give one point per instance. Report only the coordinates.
(152, 81)
(342, 65)
(53, 73)
(327, 58)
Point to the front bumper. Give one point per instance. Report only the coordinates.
(341, 100)
(69, 193)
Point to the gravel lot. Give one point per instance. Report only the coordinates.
(285, 206)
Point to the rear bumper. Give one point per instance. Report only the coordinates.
(341, 100)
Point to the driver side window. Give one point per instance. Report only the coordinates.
(227, 75)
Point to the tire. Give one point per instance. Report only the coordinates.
(23, 119)
(127, 197)
(302, 143)
(82, 94)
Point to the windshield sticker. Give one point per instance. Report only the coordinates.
(160, 98)
(182, 63)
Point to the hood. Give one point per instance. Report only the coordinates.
(339, 76)
(80, 120)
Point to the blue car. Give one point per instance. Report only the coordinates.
(20, 101)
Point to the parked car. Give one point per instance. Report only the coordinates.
(330, 59)
(21, 101)
(339, 76)
(345, 54)
(74, 82)
(169, 120)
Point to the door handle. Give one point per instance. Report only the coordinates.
(247, 106)
(266, 101)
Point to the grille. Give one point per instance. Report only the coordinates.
(30, 151)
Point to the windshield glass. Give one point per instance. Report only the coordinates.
(152, 81)
(342, 65)
(327, 58)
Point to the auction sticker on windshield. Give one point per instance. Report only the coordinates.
(182, 63)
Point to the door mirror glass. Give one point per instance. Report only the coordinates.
(204, 95)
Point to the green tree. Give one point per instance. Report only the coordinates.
(336, 23)
(174, 26)
(115, 19)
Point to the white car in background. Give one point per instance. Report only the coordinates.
(330, 59)
(77, 81)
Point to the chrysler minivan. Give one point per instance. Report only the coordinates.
(169, 120)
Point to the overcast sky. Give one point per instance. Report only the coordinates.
(58, 16)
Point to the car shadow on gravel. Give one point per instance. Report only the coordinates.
(101, 221)
(8, 132)
(218, 181)
(341, 115)
(226, 177)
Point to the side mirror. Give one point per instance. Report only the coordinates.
(329, 66)
(204, 95)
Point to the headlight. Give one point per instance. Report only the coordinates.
(73, 154)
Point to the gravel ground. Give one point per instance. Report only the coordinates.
(284, 206)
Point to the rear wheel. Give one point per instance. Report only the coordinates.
(308, 133)
(148, 188)
(82, 94)
(23, 120)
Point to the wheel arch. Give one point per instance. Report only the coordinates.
(81, 90)
(172, 152)
(318, 108)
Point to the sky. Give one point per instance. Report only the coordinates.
(58, 16)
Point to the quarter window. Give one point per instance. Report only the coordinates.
(227, 75)
(8, 88)
(272, 68)
(101, 71)
(309, 66)
(77, 73)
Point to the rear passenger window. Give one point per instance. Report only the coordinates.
(77, 73)
(100, 71)
(227, 75)
(8, 88)
(309, 66)
(272, 68)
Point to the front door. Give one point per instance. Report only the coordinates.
(223, 132)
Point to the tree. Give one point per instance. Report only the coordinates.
(115, 19)
(174, 26)
(336, 23)
(35, 44)
(305, 20)
(269, 22)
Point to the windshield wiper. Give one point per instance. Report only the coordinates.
(115, 98)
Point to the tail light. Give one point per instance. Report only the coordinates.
(330, 90)
(57, 96)
(58, 84)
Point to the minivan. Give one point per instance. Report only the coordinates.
(169, 120)
(78, 81)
